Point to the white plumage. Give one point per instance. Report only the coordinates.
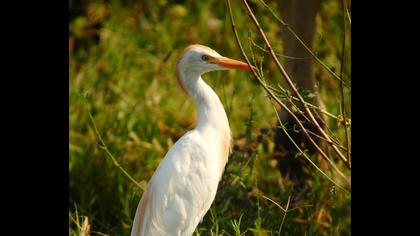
(184, 185)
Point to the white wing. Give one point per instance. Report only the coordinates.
(180, 192)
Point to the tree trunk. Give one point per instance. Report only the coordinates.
(300, 16)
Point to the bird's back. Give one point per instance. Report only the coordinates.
(181, 190)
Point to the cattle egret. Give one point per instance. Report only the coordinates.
(184, 185)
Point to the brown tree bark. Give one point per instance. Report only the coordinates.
(300, 16)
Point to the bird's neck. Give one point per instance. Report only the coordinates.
(210, 111)
(212, 121)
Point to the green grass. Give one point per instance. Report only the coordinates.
(127, 80)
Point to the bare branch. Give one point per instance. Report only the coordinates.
(276, 99)
(290, 83)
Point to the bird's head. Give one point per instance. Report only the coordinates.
(201, 59)
(198, 59)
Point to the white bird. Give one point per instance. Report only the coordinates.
(184, 185)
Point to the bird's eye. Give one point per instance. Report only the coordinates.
(205, 57)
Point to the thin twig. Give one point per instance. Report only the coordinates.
(279, 54)
(277, 100)
(284, 215)
(284, 210)
(335, 142)
(105, 148)
(328, 129)
(343, 110)
(298, 207)
(275, 203)
(99, 233)
(290, 83)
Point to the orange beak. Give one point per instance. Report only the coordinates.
(233, 64)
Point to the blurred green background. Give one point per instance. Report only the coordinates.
(122, 63)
